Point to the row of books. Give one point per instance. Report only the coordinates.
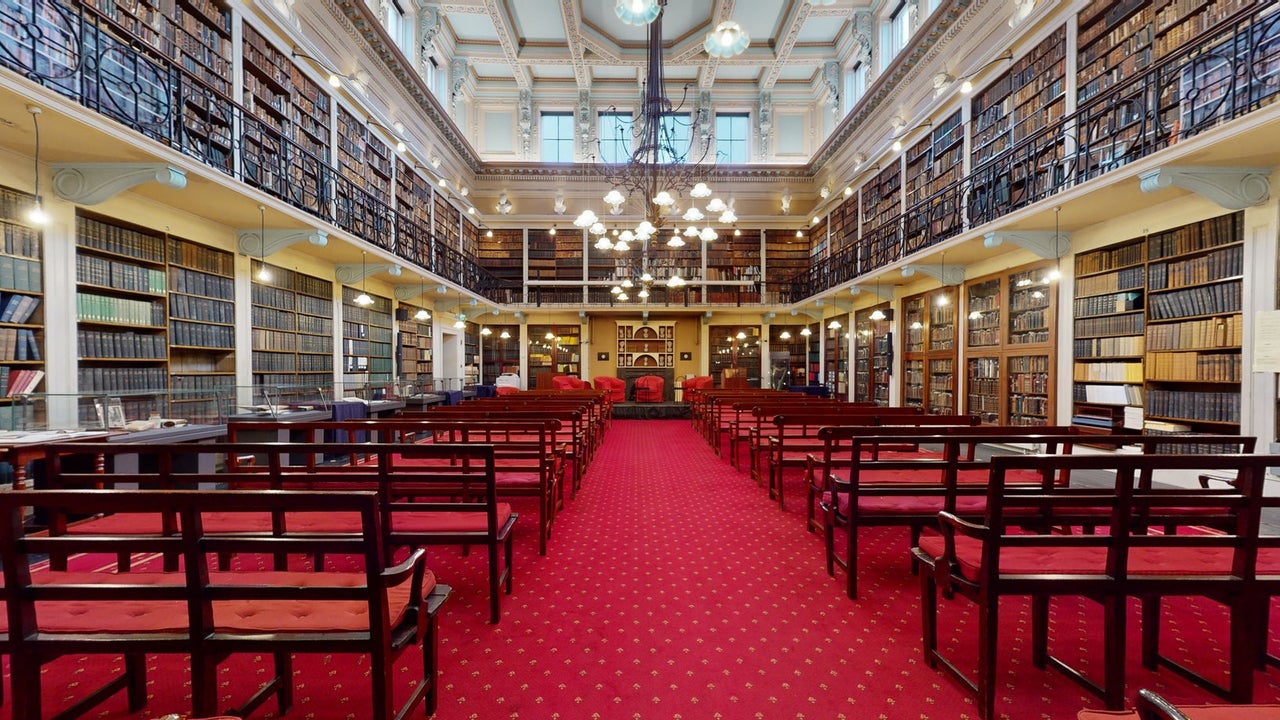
(1108, 394)
(1211, 333)
(1227, 262)
(201, 335)
(21, 240)
(117, 345)
(206, 259)
(1204, 300)
(203, 309)
(102, 308)
(19, 344)
(100, 380)
(18, 308)
(1196, 236)
(92, 233)
(274, 340)
(1195, 405)
(20, 381)
(1107, 304)
(1194, 367)
(119, 275)
(213, 384)
(1131, 278)
(19, 274)
(194, 282)
(272, 319)
(1108, 372)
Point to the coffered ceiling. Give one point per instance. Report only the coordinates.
(559, 46)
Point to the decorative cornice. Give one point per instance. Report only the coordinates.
(349, 274)
(93, 183)
(1234, 188)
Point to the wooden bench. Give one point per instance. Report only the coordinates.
(1001, 554)
(433, 494)
(528, 454)
(372, 609)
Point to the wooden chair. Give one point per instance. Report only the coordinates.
(1151, 706)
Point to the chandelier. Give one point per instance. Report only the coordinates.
(662, 170)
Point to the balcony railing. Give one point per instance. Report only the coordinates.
(136, 82)
(1232, 72)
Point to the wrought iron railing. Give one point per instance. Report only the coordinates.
(1229, 73)
(136, 81)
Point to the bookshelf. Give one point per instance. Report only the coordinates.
(503, 255)
(881, 199)
(414, 360)
(732, 258)
(735, 359)
(646, 345)
(1009, 346)
(821, 240)
(366, 339)
(1109, 337)
(556, 355)
(447, 222)
(785, 257)
(267, 79)
(471, 354)
(929, 351)
(542, 252)
(843, 224)
(568, 256)
(836, 361)
(1113, 42)
(873, 355)
(21, 301)
(292, 327)
(121, 314)
(1194, 326)
(788, 360)
(501, 352)
(201, 319)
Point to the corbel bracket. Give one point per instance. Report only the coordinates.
(1234, 188)
(349, 274)
(93, 183)
(880, 291)
(251, 242)
(1045, 243)
(945, 274)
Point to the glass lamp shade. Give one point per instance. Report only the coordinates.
(675, 241)
(614, 197)
(727, 40)
(422, 315)
(637, 12)
(663, 199)
(700, 190)
(363, 299)
(586, 219)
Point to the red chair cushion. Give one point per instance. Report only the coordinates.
(447, 522)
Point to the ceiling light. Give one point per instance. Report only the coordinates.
(485, 331)
(848, 190)
(916, 325)
(422, 314)
(363, 298)
(727, 40)
(806, 332)
(716, 206)
(637, 12)
(741, 335)
(784, 335)
(460, 323)
(675, 242)
(799, 233)
(643, 294)
(552, 231)
(833, 325)
(36, 215)
(877, 315)
(504, 335)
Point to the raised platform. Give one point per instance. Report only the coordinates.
(650, 411)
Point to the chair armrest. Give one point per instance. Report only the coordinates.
(1151, 706)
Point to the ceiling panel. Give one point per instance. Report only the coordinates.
(552, 71)
(737, 72)
(492, 70)
(537, 20)
(679, 19)
(472, 26)
(797, 72)
(820, 30)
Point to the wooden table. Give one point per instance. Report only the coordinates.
(21, 447)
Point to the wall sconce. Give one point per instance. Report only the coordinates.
(899, 135)
(504, 204)
(966, 85)
(363, 299)
(335, 78)
(397, 133)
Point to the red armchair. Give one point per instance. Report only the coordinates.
(568, 382)
(697, 382)
(617, 387)
(649, 388)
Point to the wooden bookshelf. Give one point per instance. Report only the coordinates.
(873, 356)
(568, 256)
(835, 362)
(844, 224)
(881, 199)
(414, 360)
(733, 258)
(1194, 326)
(1113, 42)
(1009, 346)
(933, 164)
(787, 356)
(559, 354)
(22, 318)
(121, 315)
(366, 339)
(471, 354)
(500, 355)
(542, 252)
(447, 228)
(1109, 338)
(734, 361)
(201, 322)
(929, 351)
(503, 255)
(292, 321)
(820, 243)
(785, 257)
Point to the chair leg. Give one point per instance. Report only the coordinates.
(135, 670)
(929, 619)
(24, 677)
(988, 636)
(380, 679)
(284, 675)
(829, 535)
(1114, 627)
(851, 561)
(1245, 640)
(1040, 631)
(431, 665)
(495, 609)
(1151, 632)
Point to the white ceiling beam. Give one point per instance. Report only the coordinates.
(790, 34)
(573, 38)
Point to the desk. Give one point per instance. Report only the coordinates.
(185, 434)
(20, 448)
(385, 408)
(283, 434)
(424, 401)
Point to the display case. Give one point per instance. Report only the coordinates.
(126, 411)
(646, 345)
(554, 350)
(735, 355)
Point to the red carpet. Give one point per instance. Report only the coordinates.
(674, 589)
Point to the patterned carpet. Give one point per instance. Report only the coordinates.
(674, 589)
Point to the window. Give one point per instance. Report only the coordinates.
(400, 27)
(731, 137)
(896, 33)
(855, 85)
(615, 137)
(673, 138)
(557, 137)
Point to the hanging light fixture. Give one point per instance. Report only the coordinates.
(504, 335)
(637, 12)
(1056, 272)
(877, 315)
(363, 298)
(727, 40)
(460, 322)
(36, 215)
(942, 297)
(264, 274)
(422, 313)
(486, 331)
(784, 335)
(834, 325)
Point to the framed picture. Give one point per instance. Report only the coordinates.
(602, 357)
(114, 413)
(686, 356)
